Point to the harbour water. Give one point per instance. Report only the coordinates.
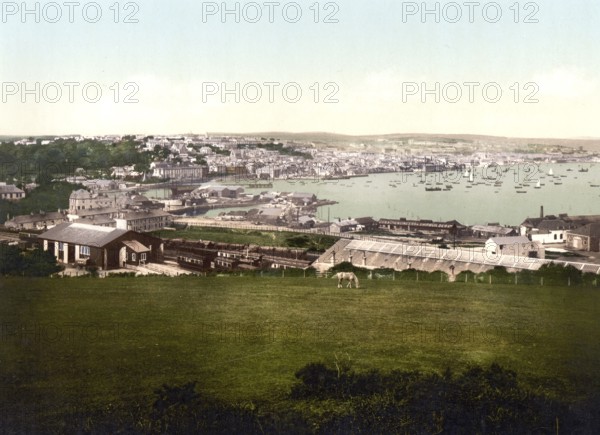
(505, 195)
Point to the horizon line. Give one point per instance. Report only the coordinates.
(328, 133)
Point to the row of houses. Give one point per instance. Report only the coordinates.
(133, 220)
(130, 212)
(170, 171)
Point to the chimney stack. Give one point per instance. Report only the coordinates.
(541, 211)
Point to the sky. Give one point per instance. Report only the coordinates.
(506, 68)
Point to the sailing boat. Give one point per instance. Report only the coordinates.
(551, 172)
(538, 185)
(470, 177)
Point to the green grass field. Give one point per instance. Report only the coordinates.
(87, 343)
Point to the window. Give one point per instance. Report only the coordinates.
(133, 257)
(84, 251)
(143, 256)
(61, 246)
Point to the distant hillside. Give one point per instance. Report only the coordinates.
(333, 139)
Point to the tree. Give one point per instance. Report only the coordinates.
(11, 261)
(161, 153)
(36, 263)
(40, 263)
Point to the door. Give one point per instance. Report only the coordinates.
(123, 257)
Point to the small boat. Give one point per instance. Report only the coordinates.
(583, 169)
(521, 191)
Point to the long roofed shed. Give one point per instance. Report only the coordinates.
(85, 234)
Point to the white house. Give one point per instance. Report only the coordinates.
(177, 172)
(548, 230)
(10, 192)
(517, 246)
(343, 226)
(83, 200)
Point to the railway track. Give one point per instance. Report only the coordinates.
(11, 237)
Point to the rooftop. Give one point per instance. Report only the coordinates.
(589, 230)
(9, 188)
(509, 240)
(83, 234)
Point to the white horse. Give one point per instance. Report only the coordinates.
(350, 276)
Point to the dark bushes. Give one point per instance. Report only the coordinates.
(480, 400)
(336, 400)
(34, 263)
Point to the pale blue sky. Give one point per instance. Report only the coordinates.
(369, 54)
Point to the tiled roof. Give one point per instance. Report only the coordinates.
(492, 229)
(95, 212)
(81, 193)
(132, 215)
(32, 218)
(509, 240)
(10, 188)
(83, 234)
(136, 246)
(554, 224)
(589, 230)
